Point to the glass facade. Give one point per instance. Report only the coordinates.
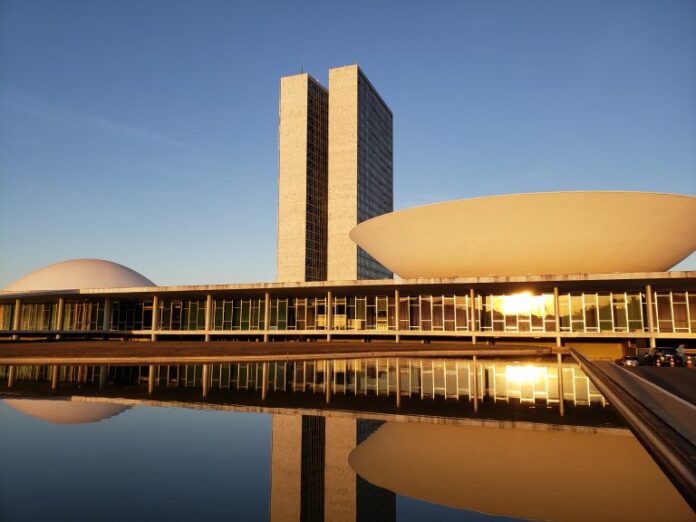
(375, 168)
(238, 314)
(82, 315)
(178, 314)
(602, 312)
(131, 315)
(675, 312)
(6, 315)
(515, 313)
(317, 181)
(38, 316)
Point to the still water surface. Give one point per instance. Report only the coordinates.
(363, 439)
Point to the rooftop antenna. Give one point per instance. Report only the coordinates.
(301, 65)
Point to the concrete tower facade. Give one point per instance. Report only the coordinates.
(360, 170)
(335, 171)
(302, 179)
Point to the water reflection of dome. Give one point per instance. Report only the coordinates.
(529, 474)
(66, 412)
(80, 273)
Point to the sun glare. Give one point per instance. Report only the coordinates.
(523, 303)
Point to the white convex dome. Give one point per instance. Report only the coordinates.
(80, 273)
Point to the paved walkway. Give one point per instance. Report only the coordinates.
(677, 381)
(679, 414)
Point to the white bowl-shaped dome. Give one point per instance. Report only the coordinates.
(541, 233)
(66, 412)
(80, 273)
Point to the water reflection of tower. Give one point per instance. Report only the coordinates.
(311, 479)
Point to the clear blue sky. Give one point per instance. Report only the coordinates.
(146, 132)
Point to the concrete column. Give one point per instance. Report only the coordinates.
(55, 370)
(206, 379)
(155, 317)
(474, 370)
(264, 380)
(60, 311)
(329, 314)
(11, 376)
(557, 312)
(397, 314)
(103, 376)
(106, 323)
(561, 405)
(472, 315)
(651, 315)
(17, 318)
(267, 316)
(151, 378)
(208, 316)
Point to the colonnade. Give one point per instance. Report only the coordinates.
(472, 332)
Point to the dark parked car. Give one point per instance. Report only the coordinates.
(631, 360)
(664, 357)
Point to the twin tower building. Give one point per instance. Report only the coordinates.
(335, 171)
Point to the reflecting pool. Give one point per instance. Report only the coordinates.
(340, 440)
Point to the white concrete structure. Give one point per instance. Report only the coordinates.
(539, 233)
(80, 273)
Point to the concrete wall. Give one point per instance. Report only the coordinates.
(292, 178)
(343, 172)
(600, 351)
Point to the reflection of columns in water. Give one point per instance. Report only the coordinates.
(464, 379)
(55, 370)
(205, 381)
(264, 380)
(398, 384)
(561, 405)
(311, 478)
(474, 372)
(103, 376)
(151, 378)
(328, 380)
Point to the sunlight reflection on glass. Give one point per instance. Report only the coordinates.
(524, 303)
